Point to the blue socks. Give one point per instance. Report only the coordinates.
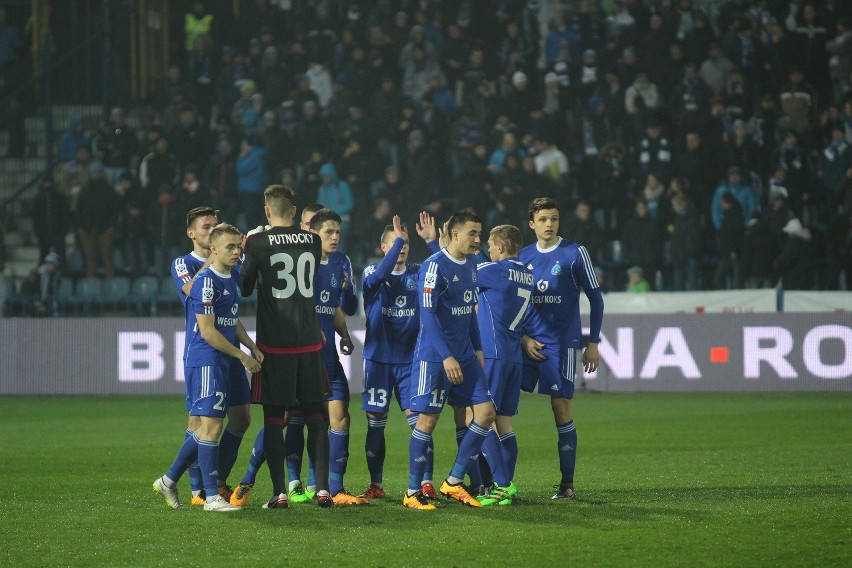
(493, 451)
(208, 457)
(255, 461)
(472, 469)
(430, 451)
(229, 446)
(418, 450)
(338, 455)
(187, 455)
(374, 447)
(567, 445)
(468, 457)
(195, 482)
(510, 453)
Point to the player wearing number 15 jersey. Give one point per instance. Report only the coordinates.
(281, 262)
(561, 269)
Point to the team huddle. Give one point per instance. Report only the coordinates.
(461, 329)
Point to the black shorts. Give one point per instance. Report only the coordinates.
(285, 380)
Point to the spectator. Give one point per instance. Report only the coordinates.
(158, 167)
(198, 22)
(636, 283)
(51, 215)
(840, 61)
(642, 94)
(40, 287)
(251, 181)
(760, 249)
(739, 190)
(132, 233)
(550, 162)
(118, 145)
(73, 139)
(795, 263)
(581, 228)
(74, 175)
(642, 240)
(97, 215)
(336, 194)
(190, 139)
(730, 240)
(653, 194)
(686, 244)
(715, 69)
(654, 155)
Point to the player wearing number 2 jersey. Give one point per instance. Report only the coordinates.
(281, 262)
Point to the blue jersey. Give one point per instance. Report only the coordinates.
(328, 282)
(560, 273)
(348, 295)
(183, 269)
(448, 327)
(505, 292)
(218, 295)
(391, 309)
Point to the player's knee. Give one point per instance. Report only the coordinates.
(484, 414)
(426, 422)
(239, 417)
(377, 415)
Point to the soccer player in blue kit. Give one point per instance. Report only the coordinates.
(214, 301)
(448, 361)
(392, 322)
(561, 270)
(199, 223)
(328, 282)
(505, 290)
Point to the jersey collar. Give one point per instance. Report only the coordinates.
(451, 257)
(219, 274)
(548, 249)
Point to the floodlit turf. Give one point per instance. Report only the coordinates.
(662, 480)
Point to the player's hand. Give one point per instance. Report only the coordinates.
(453, 370)
(591, 358)
(426, 227)
(481, 358)
(346, 345)
(398, 231)
(258, 229)
(322, 333)
(443, 236)
(257, 354)
(250, 363)
(345, 283)
(532, 348)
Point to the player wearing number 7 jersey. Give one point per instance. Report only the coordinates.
(281, 262)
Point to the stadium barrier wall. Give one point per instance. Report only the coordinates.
(775, 352)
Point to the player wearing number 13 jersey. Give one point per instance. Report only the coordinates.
(281, 262)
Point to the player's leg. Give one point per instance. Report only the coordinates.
(243, 490)
(509, 445)
(294, 447)
(562, 406)
(427, 400)
(505, 385)
(463, 417)
(404, 391)
(166, 485)
(473, 392)
(239, 420)
(195, 482)
(312, 390)
(274, 419)
(375, 401)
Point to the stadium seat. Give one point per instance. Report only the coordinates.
(64, 294)
(143, 295)
(74, 262)
(116, 292)
(168, 300)
(87, 292)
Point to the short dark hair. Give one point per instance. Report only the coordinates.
(510, 237)
(196, 212)
(388, 230)
(223, 229)
(313, 208)
(540, 203)
(322, 216)
(459, 218)
(279, 198)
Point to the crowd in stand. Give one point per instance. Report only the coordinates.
(706, 143)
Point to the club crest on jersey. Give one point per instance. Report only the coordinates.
(541, 285)
(468, 296)
(410, 283)
(473, 276)
(556, 270)
(324, 296)
(400, 301)
(333, 281)
(235, 308)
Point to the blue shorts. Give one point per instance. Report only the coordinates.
(240, 388)
(209, 389)
(381, 381)
(504, 382)
(431, 389)
(339, 384)
(554, 376)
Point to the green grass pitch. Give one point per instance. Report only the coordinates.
(662, 480)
